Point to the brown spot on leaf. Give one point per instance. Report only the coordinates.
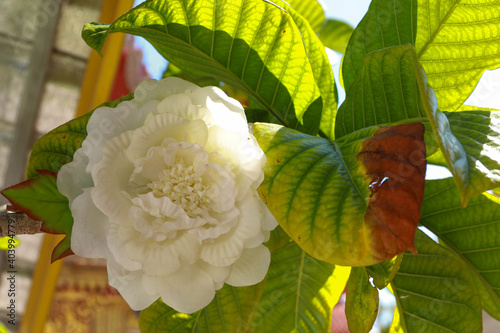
(278, 160)
(395, 163)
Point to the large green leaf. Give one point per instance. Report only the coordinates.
(330, 197)
(298, 294)
(473, 233)
(253, 45)
(455, 40)
(390, 88)
(39, 199)
(311, 10)
(322, 70)
(386, 23)
(335, 35)
(435, 292)
(361, 306)
(479, 133)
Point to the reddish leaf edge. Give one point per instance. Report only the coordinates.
(59, 248)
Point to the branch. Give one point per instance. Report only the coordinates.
(12, 224)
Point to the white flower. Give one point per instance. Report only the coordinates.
(165, 188)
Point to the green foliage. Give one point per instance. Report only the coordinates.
(455, 41)
(361, 304)
(472, 233)
(297, 295)
(335, 35)
(479, 133)
(435, 292)
(40, 200)
(387, 23)
(278, 72)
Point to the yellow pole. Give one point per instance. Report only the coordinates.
(96, 88)
(101, 71)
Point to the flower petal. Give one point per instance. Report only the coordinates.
(131, 287)
(151, 89)
(244, 155)
(90, 226)
(72, 177)
(182, 106)
(226, 111)
(250, 268)
(107, 123)
(187, 290)
(111, 176)
(162, 126)
(227, 248)
(166, 257)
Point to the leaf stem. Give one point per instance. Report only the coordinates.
(12, 224)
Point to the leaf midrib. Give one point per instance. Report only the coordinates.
(437, 31)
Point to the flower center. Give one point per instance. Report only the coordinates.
(183, 187)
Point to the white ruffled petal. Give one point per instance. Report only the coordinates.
(151, 89)
(182, 106)
(131, 287)
(162, 126)
(166, 257)
(244, 155)
(72, 177)
(90, 226)
(111, 176)
(250, 268)
(107, 123)
(121, 233)
(226, 111)
(187, 290)
(226, 249)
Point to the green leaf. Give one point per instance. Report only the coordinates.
(479, 133)
(393, 88)
(435, 292)
(58, 146)
(311, 10)
(335, 35)
(471, 232)
(40, 200)
(455, 41)
(320, 192)
(384, 272)
(202, 81)
(253, 45)
(386, 23)
(230, 311)
(361, 306)
(298, 293)
(322, 70)
(386, 91)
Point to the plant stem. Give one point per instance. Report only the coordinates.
(12, 224)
